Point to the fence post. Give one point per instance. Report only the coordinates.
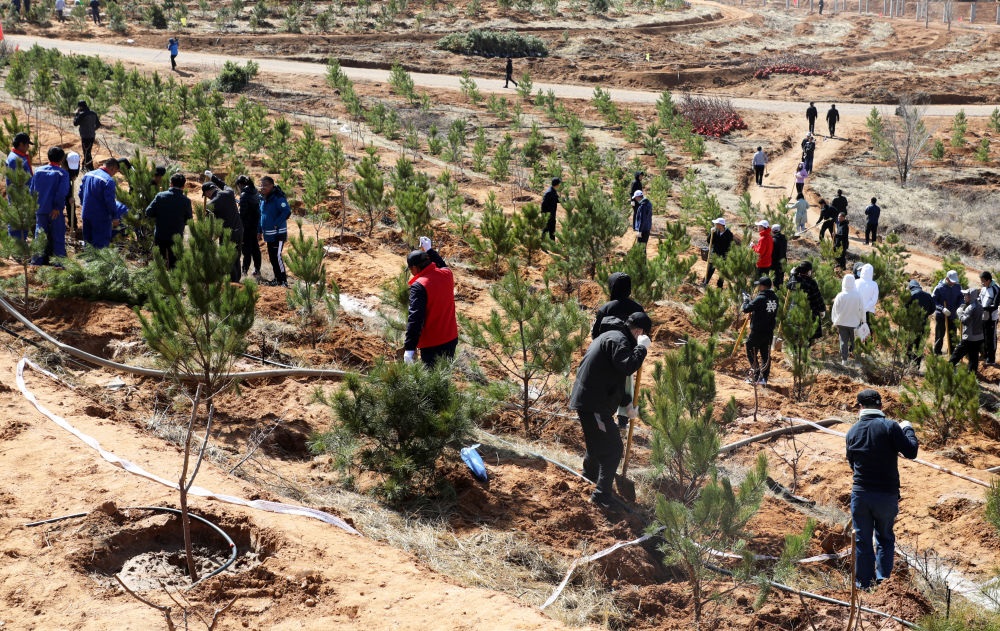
(972, 13)
(884, 7)
(998, 14)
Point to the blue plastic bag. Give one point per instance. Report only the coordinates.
(475, 462)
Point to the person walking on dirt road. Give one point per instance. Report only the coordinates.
(599, 390)
(88, 122)
(801, 173)
(872, 213)
(642, 218)
(811, 115)
(763, 310)
(509, 76)
(970, 314)
(721, 240)
(989, 297)
(827, 217)
(759, 162)
(431, 326)
(832, 118)
(274, 214)
(808, 151)
(841, 240)
(171, 209)
(947, 298)
(550, 204)
(173, 45)
(51, 184)
(95, 11)
(873, 444)
(801, 207)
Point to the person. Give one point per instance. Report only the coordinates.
(642, 218)
(914, 351)
(801, 207)
(431, 326)
(99, 206)
(811, 114)
(808, 151)
(636, 184)
(721, 239)
(550, 203)
(763, 247)
(60, 7)
(989, 298)
(872, 213)
(840, 202)
(158, 174)
(970, 314)
(947, 299)
(51, 184)
(509, 76)
(600, 388)
(19, 158)
(821, 7)
(620, 306)
(801, 279)
(95, 11)
(274, 214)
(827, 217)
(801, 173)
(847, 314)
(759, 162)
(778, 255)
(72, 162)
(250, 216)
(222, 204)
(763, 310)
(172, 210)
(173, 45)
(88, 122)
(868, 289)
(872, 447)
(832, 117)
(841, 239)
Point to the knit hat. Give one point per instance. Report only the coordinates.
(869, 398)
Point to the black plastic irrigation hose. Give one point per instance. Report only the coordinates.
(163, 509)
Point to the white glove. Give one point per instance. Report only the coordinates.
(905, 424)
(632, 411)
(208, 174)
(746, 296)
(425, 243)
(644, 341)
(410, 356)
(946, 312)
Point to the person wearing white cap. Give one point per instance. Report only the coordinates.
(947, 299)
(971, 316)
(642, 218)
(764, 247)
(720, 239)
(72, 163)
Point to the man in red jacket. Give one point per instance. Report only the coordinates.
(431, 325)
(764, 248)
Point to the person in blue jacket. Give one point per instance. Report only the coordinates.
(274, 214)
(99, 206)
(19, 158)
(947, 299)
(173, 45)
(51, 184)
(642, 217)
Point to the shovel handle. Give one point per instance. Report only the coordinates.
(631, 422)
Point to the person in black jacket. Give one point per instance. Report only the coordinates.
(721, 239)
(509, 73)
(808, 151)
(840, 202)
(778, 254)
(801, 279)
(872, 214)
(811, 115)
(222, 204)
(873, 444)
(832, 117)
(172, 210)
(827, 217)
(88, 122)
(763, 310)
(915, 350)
(250, 217)
(600, 388)
(550, 203)
(636, 184)
(841, 240)
(620, 303)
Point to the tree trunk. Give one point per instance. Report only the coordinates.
(183, 487)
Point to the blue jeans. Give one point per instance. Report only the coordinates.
(873, 513)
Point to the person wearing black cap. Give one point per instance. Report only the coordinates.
(599, 390)
(763, 310)
(51, 184)
(431, 325)
(801, 278)
(915, 350)
(172, 210)
(222, 204)
(550, 203)
(88, 122)
(18, 158)
(873, 444)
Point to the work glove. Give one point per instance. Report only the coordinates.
(746, 296)
(905, 425)
(208, 174)
(947, 312)
(425, 243)
(632, 411)
(644, 341)
(409, 357)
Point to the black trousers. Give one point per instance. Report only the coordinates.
(812, 125)
(871, 232)
(915, 350)
(430, 355)
(833, 128)
(798, 186)
(758, 173)
(841, 245)
(709, 273)
(777, 274)
(167, 252)
(968, 349)
(939, 332)
(828, 226)
(759, 355)
(173, 62)
(274, 250)
(88, 156)
(604, 449)
(251, 250)
(990, 341)
(550, 227)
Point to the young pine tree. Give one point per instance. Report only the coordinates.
(137, 196)
(528, 226)
(797, 327)
(592, 225)
(497, 242)
(887, 357)
(412, 195)
(876, 130)
(959, 126)
(367, 193)
(17, 213)
(710, 313)
(945, 403)
(531, 338)
(315, 303)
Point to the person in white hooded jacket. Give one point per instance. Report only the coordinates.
(868, 289)
(847, 314)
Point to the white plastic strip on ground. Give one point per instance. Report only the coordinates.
(272, 507)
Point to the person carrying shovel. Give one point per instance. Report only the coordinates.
(598, 391)
(720, 239)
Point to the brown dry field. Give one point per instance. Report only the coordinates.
(488, 557)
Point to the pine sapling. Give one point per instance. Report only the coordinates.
(17, 212)
(945, 403)
(367, 193)
(315, 303)
(497, 241)
(528, 225)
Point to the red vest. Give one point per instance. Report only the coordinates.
(440, 325)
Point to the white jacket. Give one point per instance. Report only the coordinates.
(868, 288)
(848, 309)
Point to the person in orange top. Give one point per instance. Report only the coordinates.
(431, 325)
(764, 248)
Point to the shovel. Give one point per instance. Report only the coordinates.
(626, 487)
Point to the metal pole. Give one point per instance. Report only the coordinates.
(972, 13)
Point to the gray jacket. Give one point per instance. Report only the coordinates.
(971, 316)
